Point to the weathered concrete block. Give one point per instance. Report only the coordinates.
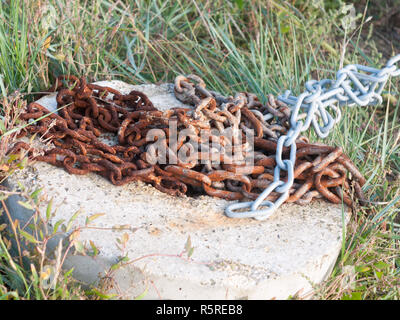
(232, 259)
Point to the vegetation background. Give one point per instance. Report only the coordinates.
(262, 46)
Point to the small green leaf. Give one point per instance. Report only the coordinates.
(115, 266)
(12, 157)
(27, 236)
(94, 248)
(68, 273)
(25, 205)
(142, 295)
(285, 29)
(57, 225)
(48, 209)
(125, 259)
(239, 3)
(353, 296)
(34, 195)
(69, 225)
(381, 265)
(93, 217)
(362, 269)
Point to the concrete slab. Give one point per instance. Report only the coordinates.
(232, 259)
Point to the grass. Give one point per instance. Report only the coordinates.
(258, 46)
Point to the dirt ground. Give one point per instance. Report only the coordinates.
(385, 24)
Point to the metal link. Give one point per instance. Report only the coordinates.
(351, 88)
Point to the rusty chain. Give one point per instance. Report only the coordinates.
(88, 111)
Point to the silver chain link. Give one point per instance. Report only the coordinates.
(355, 85)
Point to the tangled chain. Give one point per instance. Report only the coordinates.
(321, 170)
(352, 87)
(88, 111)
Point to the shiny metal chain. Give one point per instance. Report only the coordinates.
(355, 85)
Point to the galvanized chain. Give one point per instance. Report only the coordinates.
(355, 85)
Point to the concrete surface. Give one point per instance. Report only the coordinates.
(232, 259)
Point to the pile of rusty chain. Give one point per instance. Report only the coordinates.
(320, 171)
(87, 111)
